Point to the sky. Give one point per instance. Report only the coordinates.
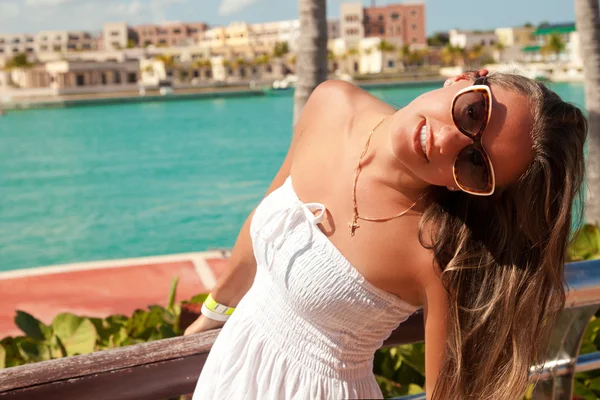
(30, 16)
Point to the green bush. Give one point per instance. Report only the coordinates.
(69, 334)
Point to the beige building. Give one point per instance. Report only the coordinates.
(519, 36)
(351, 22)
(468, 39)
(261, 38)
(169, 34)
(333, 29)
(116, 36)
(11, 45)
(81, 76)
(64, 41)
(71, 77)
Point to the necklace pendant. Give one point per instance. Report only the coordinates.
(353, 225)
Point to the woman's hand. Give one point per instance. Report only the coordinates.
(467, 75)
(203, 324)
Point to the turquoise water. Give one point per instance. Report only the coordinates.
(106, 182)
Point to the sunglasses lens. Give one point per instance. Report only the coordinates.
(471, 170)
(470, 112)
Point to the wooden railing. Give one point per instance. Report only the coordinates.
(168, 368)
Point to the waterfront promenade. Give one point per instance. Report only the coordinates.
(103, 288)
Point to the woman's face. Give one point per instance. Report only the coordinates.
(506, 138)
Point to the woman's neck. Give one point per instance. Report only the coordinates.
(382, 168)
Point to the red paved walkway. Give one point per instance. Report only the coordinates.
(95, 290)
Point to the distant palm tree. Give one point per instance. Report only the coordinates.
(311, 63)
(587, 18)
(203, 63)
(262, 59)
(499, 47)
(453, 55)
(474, 54)
(386, 47)
(167, 60)
(554, 45)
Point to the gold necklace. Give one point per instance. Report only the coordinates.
(354, 224)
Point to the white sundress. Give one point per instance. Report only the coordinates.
(310, 324)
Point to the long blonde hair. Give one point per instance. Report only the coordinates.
(502, 257)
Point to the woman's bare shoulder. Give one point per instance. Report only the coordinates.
(342, 95)
(333, 108)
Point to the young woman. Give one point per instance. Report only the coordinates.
(459, 203)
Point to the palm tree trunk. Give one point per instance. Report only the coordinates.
(587, 18)
(311, 61)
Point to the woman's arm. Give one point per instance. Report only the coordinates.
(241, 267)
(239, 276)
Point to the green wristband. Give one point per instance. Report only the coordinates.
(213, 306)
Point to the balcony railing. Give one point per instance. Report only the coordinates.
(169, 368)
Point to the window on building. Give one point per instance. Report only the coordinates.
(147, 43)
(16, 40)
(355, 66)
(414, 40)
(395, 15)
(29, 50)
(114, 33)
(368, 30)
(177, 31)
(1, 50)
(44, 47)
(208, 74)
(414, 27)
(132, 77)
(492, 42)
(56, 47)
(118, 77)
(29, 39)
(15, 50)
(1, 41)
(413, 13)
(390, 64)
(162, 41)
(269, 69)
(398, 29)
(196, 73)
(79, 80)
(380, 17)
(381, 30)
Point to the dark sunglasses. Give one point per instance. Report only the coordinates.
(471, 111)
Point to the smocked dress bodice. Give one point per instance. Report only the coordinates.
(310, 324)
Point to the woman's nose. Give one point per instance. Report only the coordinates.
(452, 141)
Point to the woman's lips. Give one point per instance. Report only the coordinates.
(418, 145)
